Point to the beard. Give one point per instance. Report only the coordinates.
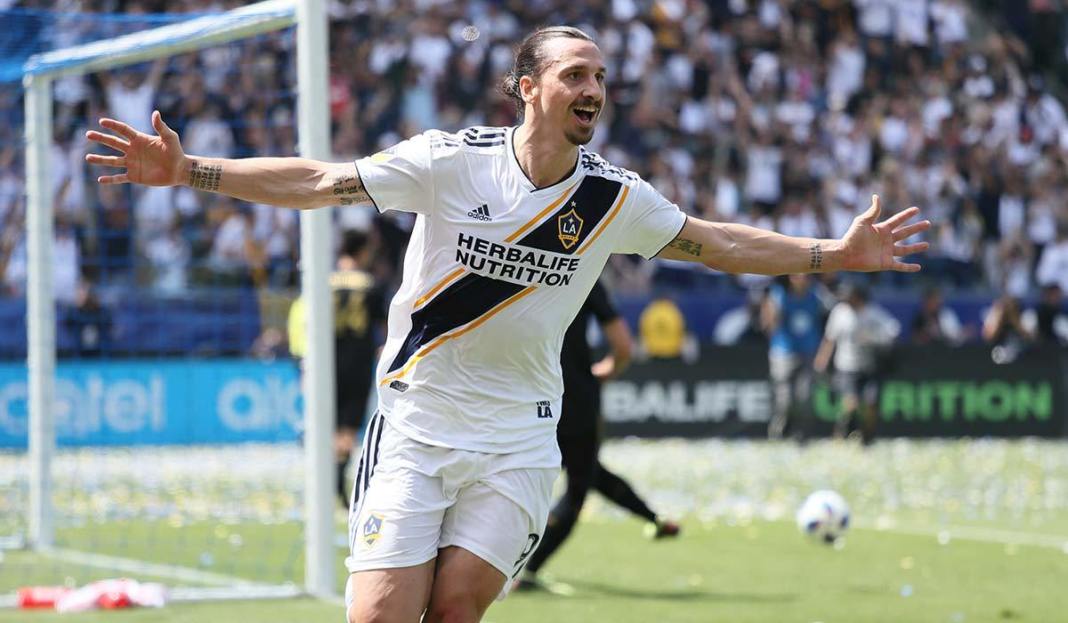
(579, 137)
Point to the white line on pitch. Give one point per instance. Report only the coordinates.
(988, 535)
(128, 565)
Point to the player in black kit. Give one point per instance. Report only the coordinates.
(359, 307)
(579, 431)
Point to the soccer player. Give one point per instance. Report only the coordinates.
(359, 309)
(579, 431)
(793, 314)
(513, 228)
(857, 332)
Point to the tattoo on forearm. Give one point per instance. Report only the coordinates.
(688, 247)
(815, 256)
(349, 190)
(205, 176)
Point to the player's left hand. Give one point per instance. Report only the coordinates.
(604, 369)
(870, 245)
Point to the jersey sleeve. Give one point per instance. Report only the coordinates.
(833, 329)
(652, 222)
(400, 178)
(600, 305)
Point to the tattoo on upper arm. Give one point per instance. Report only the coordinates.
(348, 189)
(205, 176)
(815, 256)
(688, 247)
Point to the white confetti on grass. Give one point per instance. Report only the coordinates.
(941, 484)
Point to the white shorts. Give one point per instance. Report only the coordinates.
(411, 499)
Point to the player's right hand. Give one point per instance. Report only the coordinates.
(150, 160)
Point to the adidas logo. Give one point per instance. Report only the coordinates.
(481, 213)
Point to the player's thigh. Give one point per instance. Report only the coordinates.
(501, 520)
(389, 595)
(464, 587)
(397, 511)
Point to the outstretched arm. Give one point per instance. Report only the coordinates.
(160, 161)
(868, 246)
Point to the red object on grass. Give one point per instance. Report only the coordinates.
(115, 599)
(40, 596)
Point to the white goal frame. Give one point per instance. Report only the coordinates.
(40, 72)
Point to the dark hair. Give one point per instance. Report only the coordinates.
(530, 58)
(352, 242)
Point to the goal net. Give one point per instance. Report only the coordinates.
(152, 424)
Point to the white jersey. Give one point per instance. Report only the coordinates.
(858, 335)
(495, 271)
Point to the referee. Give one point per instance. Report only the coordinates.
(579, 431)
(359, 311)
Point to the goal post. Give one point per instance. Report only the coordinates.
(315, 247)
(315, 252)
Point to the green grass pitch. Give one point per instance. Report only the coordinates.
(762, 572)
(957, 532)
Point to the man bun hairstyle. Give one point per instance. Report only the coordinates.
(530, 58)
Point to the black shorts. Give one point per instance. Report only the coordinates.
(862, 386)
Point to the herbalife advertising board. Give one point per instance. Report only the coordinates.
(929, 392)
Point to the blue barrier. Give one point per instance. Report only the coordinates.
(203, 321)
(145, 402)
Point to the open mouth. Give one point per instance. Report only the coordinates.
(585, 114)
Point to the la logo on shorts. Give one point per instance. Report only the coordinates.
(372, 529)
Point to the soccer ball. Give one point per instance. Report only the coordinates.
(824, 516)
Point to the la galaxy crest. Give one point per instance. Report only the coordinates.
(569, 227)
(372, 529)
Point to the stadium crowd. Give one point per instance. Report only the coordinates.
(787, 114)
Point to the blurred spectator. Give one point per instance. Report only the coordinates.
(168, 256)
(793, 315)
(131, 93)
(950, 19)
(1003, 327)
(208, 134)
(66, 263)
(1053, 264)
(115, 233)
(1047, 322)
(742, 324)
(935, 323)
(234, 250)
(784, 113)
(88, 322)
(662, 329)
(1015, 267)
(859, 335)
